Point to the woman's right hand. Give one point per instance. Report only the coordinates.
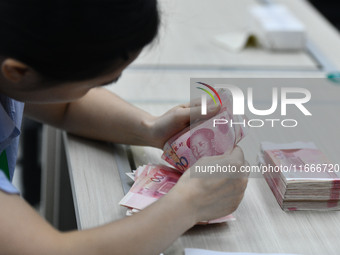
(212, 197)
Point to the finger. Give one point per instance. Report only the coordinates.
(247, 164)
(236, 156)
(196, 113)
(187, 115)
(186, 105)
(182, 115)
(193, 103)
(233, 163)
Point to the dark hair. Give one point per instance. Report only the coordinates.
(75, 39)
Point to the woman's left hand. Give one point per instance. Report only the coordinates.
(162, 128)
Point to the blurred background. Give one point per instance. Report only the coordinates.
(328, 9)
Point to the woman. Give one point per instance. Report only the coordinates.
(54, 56)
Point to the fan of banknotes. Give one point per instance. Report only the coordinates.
(151, 183)
(300, 176)
(215, 136)
(199, 140)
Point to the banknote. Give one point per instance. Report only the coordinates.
(201, 139)
(304, 178)
(206, 137)
(131, 176)
(304, 163)
(151, 183)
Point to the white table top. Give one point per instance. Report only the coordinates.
(188, 31)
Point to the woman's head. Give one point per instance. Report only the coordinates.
(75, 40)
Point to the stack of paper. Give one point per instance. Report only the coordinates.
(276, 28)
(300, 176)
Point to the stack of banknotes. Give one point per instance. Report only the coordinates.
(201, 139)
(300, 176)
(215, 136)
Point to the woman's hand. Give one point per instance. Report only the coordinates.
(170, 123)
(213, 197)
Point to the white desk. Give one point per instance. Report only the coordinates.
(186, 39)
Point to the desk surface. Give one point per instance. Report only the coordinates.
(188, 28)
(261, 225)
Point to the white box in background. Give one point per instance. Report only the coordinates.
(276, 28)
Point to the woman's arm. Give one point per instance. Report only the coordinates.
(102, 115)
(23, 231)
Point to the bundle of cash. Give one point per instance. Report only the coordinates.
(215, 136)
(300, 176)
(151, 183)
(203, 138)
